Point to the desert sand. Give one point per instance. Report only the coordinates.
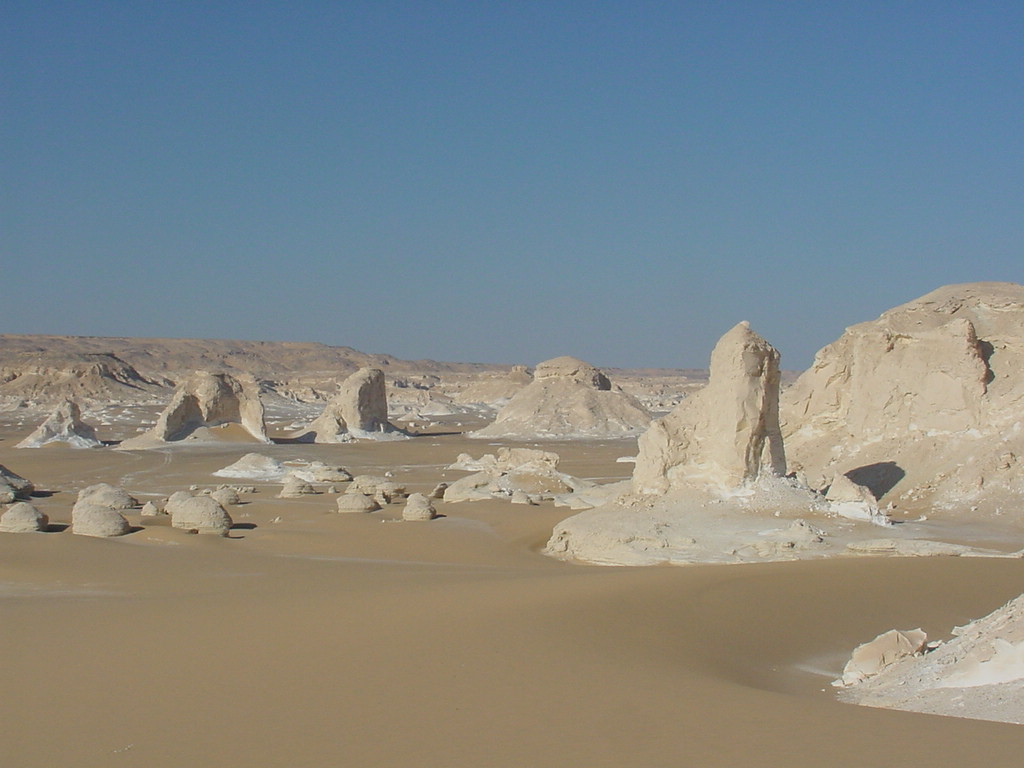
(328, 639)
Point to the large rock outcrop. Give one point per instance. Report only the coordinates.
(568, 398)
(64, 425)
(203, 401)
(923, 405)
(726, 434)
(359, 410)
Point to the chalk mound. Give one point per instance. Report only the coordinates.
(64, 425)
(726, 434)
(13, 486)
(106, 495)
(359, 410)
(921, 405)
(979, 674)
(254, 466)
(23, 518)
(199, 513)
(203, 401)
(99, 521)
(568, 398)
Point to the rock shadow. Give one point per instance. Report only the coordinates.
(880, 478)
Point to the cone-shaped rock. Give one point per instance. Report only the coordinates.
(568, 398)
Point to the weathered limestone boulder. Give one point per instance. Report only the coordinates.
(295, 488)
(849, 499)
(226, 497)
(64, 425)
(359, 410)
(254, 466)
(150, 509)
(921, 405)
(568, 398)
(725, 435)
(206, 401)
(383, 489)
(198, 513)
(13, 485)
(889, 647)
(99, 521)
(356, 502)
(106, 495)
(418, 507)
(23, 518)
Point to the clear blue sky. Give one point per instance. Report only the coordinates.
(504, 181)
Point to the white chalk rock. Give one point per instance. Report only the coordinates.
(418, 507)
(23, 518)
(725, 435)
(568, 398)
(254, 466)
(64, 425)
(199, 513)
(356, 502)
(99, 521)
(360, 409)
(206, 400)
(106, 495)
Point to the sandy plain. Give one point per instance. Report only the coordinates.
(327, 640)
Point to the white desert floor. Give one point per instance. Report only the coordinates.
(334, 640)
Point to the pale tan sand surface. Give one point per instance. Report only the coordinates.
(332, 640)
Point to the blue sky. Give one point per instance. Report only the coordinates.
(504, 181)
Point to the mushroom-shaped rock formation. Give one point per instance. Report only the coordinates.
(198, 513)
(568, 398)
(357, 502)
(725, 434)
(295, 488)
(99, 521)
(418, 507)
(64, 425)
(359, 410)
(106, 495)
(23, 518)
(206, 401)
